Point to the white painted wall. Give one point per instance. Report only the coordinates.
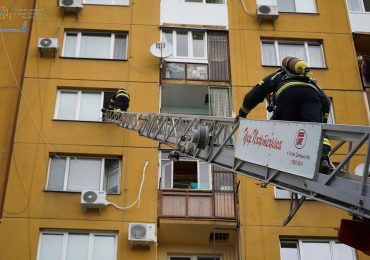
(179, 12)
(360, 22)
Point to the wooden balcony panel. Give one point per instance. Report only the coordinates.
(174, 206)
(200, 206)
(224, 205)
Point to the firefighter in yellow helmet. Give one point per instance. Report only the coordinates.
(120, 101)
(292, 96)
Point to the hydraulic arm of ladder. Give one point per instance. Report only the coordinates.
(211, 139)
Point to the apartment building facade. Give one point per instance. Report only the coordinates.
(220, 49)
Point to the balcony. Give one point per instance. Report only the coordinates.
(196, 204)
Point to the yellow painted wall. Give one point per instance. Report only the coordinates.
(12, 52)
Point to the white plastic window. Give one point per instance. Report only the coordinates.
(107, 2)
(74, 245)
(273, 52)
(80, 105)
(95, 45)
(206, 1)
(68, 173)
(297, 6)
(315, 249)
(358, 6)
(187, 44)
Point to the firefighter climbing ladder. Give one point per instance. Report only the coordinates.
(211, 139)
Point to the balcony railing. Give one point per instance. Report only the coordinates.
(192, 204)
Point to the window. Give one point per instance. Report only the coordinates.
(315, 249)
(187, 44)
(81, 105)
(358, 5)
(194, 258)
(175, 70)
(195, 100)
(107, 2)
(206, 1)
(297, 6)
(273, 52)
(95, 45)
(70, 173)
(185, 174)
(77, 245)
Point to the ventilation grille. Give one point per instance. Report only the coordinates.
(219, 236)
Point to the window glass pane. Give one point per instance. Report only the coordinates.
(84, 174)
(51, 247)
(198, 44)
(104, 247)
(306, 6)
(289, 251)
(167, 36)
(367, 5)
(67, 105)
(354, 5)
(113, 173)
(194, 1)
(342, 252)
(197, 71)
(77, 247)
(70, 45)
(90, 106)
(121, 2)
(204, 176)
(315, 250)
(166, 173)
(286, 5)
(268, 54)
(179, 258)
(294, 50)
(119, 47)
(215, 1)
(56, 174)
(174, 71)
(182, 44)
(316, 56)
(95, 46)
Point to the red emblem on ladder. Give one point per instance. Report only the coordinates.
(300, 139)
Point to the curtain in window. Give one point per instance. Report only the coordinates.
(294, 50)
(318, 251)
(268, 53)
(219, 102)
(70, 45)
(95, 46)
(84, 174)
(90, 106)
(119, 51)
(78, 246)
(67, 105)
(286, 5)
(56, 173)
(182, 44)
(51, 247)
(354, 5)
(316, 56)
(104, 247)
(218, 56)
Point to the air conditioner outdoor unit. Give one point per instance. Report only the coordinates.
(267, 13)
(47, 46)
(141, 234)
(93, 199)
(71, 6)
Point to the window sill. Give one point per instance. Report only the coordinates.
(125, 5)
(80, 121)
(80, 58)
(76, 192)
(282, 12)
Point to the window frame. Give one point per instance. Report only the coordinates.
(306, 45)
(205, 2)
(190, 58)
(102, 178)
(299, 243)
(65, 241)
(78, 44)
(113, 3)
(78, 103)
(362, 5)
(160, 175)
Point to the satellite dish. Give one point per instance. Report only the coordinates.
(161, 49)
(359, 170)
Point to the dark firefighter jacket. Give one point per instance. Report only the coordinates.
(274, 84)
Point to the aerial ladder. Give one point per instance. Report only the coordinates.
(223, 142)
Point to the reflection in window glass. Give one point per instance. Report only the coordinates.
(197, 71)
(174, 71)
(182, 43)
(198, 44)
